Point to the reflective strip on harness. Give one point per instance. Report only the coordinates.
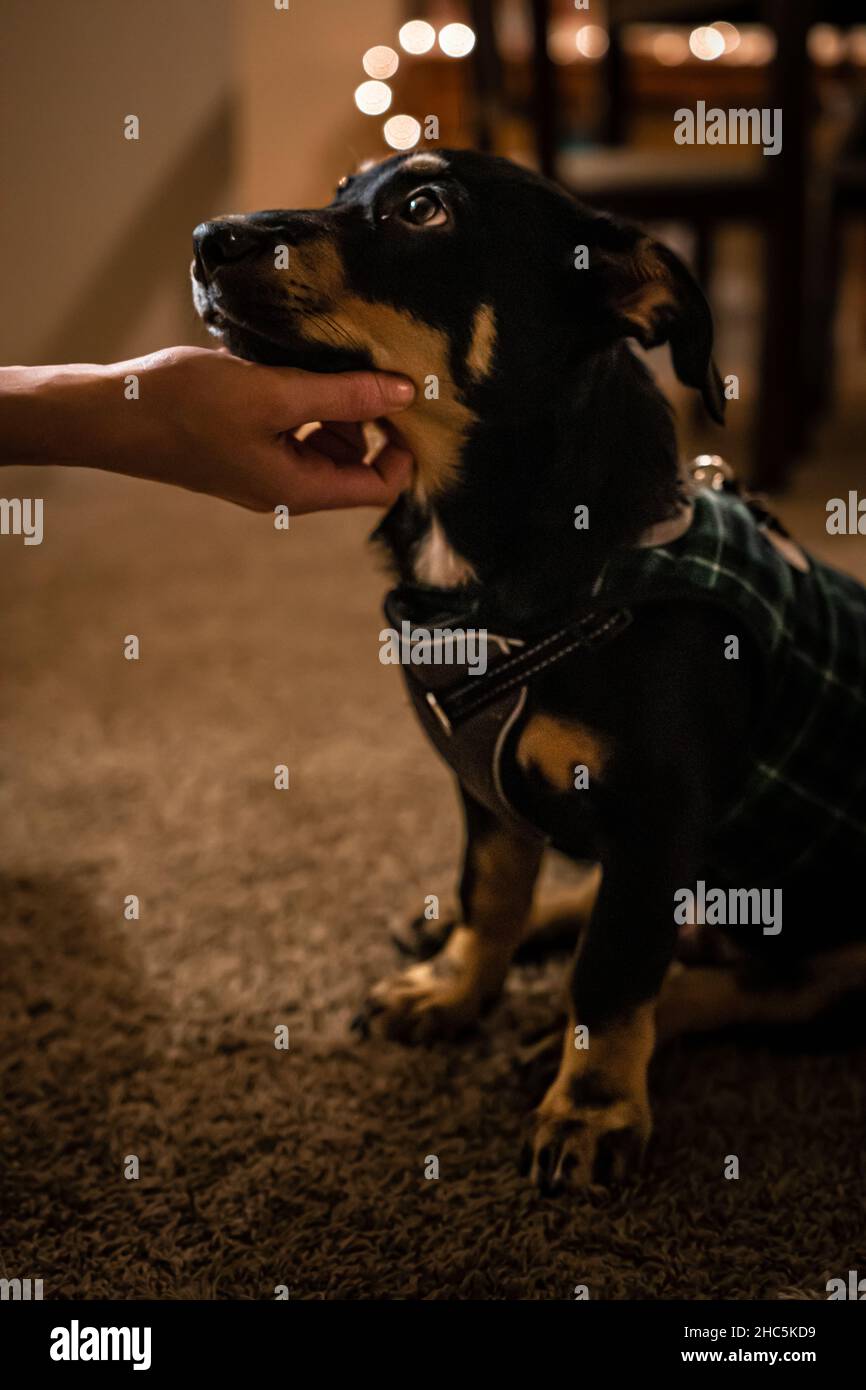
(469, 717)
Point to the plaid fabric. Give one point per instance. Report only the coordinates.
(804, 792)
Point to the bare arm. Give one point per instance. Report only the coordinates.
(212, 423)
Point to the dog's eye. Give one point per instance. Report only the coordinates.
(424, 209)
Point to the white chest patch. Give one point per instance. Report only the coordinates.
(437, 563)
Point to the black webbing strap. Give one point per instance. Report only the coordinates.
(475, 693)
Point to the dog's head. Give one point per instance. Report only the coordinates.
(489, 286)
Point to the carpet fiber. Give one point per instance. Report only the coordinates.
(258, 908)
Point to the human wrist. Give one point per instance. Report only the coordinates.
(56, 414)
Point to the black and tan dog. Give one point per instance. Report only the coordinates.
(675, 692)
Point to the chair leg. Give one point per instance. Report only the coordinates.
(704, 256)
(544, 88)
(822, 304)
(704, 249)
(781, 418)
(488, 76)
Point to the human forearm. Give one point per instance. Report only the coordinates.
(212, 423)
(57, 414)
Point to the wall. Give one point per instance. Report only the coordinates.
(298, 129)
(241, 106)
(96, 227)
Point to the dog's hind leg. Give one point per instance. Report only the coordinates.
(560, 918)
(445, 994)
(700, 1000)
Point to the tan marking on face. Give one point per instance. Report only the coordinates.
(554, 747)
(315, 269)
(479, 358)
(425, 164)
(434, 430)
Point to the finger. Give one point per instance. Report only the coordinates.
(345, 395)
(394, 466)
(329, 486)
(357, 486)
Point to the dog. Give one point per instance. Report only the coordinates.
(674, 690)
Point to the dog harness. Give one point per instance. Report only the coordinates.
(804, 783)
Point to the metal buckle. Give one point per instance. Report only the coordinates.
(439, 712)
(711, 470)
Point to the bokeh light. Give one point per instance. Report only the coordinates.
(730, 34)
(826, 45)
(706, 43)
(592, 41)
(417, 36)
(562, 42)
(402, 132)
(373, 98)
(456, 40)
(380, 62)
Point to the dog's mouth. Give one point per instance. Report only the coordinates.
(260, 332)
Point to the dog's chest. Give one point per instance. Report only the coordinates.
(436, 562)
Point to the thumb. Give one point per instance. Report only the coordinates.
(351, 395)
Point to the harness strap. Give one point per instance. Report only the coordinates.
(474, 693)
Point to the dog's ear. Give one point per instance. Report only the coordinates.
(647, 293)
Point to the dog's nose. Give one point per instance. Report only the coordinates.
(217, 243)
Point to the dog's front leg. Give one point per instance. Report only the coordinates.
(444, 995)
(594, 1122)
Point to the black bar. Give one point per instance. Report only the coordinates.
(269, 1336)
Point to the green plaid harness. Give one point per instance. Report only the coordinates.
(805, 786)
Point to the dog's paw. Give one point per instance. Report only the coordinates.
(574, 1146)
(419, 1005)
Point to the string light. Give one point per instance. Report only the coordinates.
(373, 98)
(380, 62)
(417, 36)
(706, 43)
(456, 40)
(592, 41)
(729, 32)
(562, 42)
(825, 45)
(402, 132)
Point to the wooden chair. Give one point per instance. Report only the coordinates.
(689, 186)
(840, 201)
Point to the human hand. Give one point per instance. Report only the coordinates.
(228, 428)
(204, 420)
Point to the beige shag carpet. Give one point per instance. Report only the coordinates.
(155, 1037)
